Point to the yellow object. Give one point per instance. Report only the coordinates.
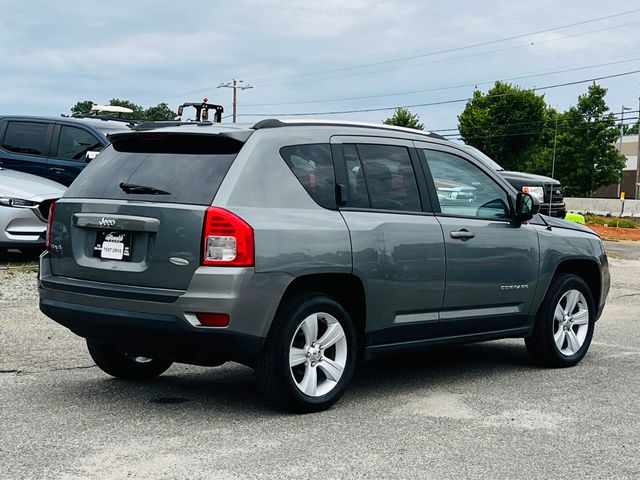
(621, 195)
(575, 218)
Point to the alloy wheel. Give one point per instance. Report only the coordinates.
(318, 354)
(570, 322)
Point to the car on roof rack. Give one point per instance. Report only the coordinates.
(56, 148)
(298, 248)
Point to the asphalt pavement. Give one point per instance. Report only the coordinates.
(477, 411)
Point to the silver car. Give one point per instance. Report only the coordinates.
(24, 207)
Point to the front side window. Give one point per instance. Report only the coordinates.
(312, 165)
(389, 177)
(74, 143)
(465, 190)
(26, 137)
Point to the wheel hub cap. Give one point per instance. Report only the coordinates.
(571, 322)
(318, 354)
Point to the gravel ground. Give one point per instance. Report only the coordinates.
(478, 411)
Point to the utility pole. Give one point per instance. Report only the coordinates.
(553, 162)
(235, 85)
(622, 110)
(637, 189)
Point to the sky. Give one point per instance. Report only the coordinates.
(312, 56)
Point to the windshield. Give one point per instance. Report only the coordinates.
(483, 158)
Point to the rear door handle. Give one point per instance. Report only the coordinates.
(57, 169)
(462, 234)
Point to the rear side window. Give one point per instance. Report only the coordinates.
(74, 143)
(178, 168)
(26, 137)
(389, 177)
(312, 165)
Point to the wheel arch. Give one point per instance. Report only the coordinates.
(585, 268)
(346, 288)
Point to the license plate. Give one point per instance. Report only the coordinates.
(113, 245)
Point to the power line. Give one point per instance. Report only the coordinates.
(504, 39)
(429, 104)
(448, 87)
(615, 115)
(454, 49)
(564, 128)
(446, 60)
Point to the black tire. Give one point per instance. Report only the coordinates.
(541, 345)
(120, 365)
(272, 367)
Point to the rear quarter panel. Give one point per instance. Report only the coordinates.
(293, 233)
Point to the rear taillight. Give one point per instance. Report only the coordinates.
(227, 239)
(52, 210)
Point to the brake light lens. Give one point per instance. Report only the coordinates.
(227, 239)
(52, 210)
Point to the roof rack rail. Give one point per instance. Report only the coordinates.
(170, 123)
(276, 123)
(108, 118)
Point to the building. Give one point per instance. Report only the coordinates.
(628, 184)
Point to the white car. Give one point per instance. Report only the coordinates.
(24, 208)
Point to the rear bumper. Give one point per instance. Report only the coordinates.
(158, 322)
(154, 335)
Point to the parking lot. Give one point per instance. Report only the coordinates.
(478, 411)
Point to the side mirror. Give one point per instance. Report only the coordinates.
(526, 206)
(90, 155)
(180, 110)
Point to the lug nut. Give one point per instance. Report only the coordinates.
(308, 354)
(313, 364)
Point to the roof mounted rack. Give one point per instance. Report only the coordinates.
(159, 124)
(202, 110)
(129, 121)
(276, 123)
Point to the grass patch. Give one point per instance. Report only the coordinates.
(610, 221)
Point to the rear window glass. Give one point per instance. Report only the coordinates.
(312, 164)
(178, 168)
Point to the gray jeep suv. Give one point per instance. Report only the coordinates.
(299, 248)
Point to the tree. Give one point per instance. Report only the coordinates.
(159, 112)
(586, 157)
(82, 108)
(402, 117)
(506, 123)
(631, 129)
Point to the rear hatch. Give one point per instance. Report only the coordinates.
(135, 214)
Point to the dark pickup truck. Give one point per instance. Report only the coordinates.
(548, 190)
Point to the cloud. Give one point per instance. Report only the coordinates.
(133, 51)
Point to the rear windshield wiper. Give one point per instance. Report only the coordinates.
(132, 188)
